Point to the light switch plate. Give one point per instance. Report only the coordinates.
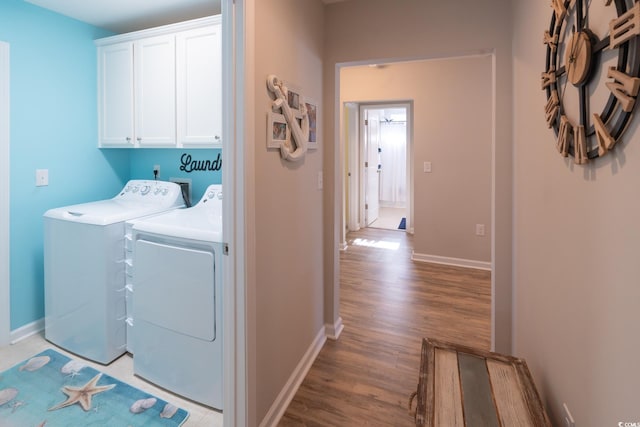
(427, 167)
(42, 177)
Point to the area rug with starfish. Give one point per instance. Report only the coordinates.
(53, 390)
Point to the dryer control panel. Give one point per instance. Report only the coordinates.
(213, 195)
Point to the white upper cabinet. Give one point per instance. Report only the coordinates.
(155, 91)
(115, 100)
(198, 91)
(161, 87)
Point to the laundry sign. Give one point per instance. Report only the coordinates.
(189, 164)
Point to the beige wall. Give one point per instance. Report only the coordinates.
(371, 30)
(577, 244)
(452, 128)
(288, 205)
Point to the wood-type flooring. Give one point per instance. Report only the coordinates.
(388, 303)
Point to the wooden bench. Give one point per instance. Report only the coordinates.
(463, 386)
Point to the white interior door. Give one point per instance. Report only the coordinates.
(352, 208)
(5, 318)
(372, 170)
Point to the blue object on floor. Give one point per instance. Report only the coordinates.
(403, 224)
(55, 390)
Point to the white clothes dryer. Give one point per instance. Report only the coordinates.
(84, 268)
(177, 299)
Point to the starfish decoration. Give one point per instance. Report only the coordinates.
(82, 395)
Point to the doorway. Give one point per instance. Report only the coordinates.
(435, 88)
(379, 157)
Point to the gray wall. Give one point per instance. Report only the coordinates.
(287, 203)
(577, 240)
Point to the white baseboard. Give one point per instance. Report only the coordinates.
(289, 390)
(26, 331)
(458, 262)
(343, 246)
(333, 331)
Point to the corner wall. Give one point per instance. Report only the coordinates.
(577, 241)
(288, 205)
(53, 126)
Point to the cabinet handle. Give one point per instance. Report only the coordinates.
(139, 139)
(217, 137)
(128, 139)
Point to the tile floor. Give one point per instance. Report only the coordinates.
(388, 218)
(122, 369)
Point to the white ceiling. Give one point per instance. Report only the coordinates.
(121, 16)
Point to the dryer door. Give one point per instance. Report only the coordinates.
(174, 288)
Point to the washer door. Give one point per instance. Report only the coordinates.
(174, 288)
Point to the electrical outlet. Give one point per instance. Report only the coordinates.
(156, 171)
(568, 418)
(479, 229)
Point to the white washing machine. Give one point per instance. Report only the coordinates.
(84, 268)
(177, 299)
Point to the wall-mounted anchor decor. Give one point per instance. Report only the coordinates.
(288, 122)
(592, 56)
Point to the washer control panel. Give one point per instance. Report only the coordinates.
(141, 190)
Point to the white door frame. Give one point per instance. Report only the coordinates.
(235, 372)
(5, 304)
(356, 165)
(237, 99)
(338, 200)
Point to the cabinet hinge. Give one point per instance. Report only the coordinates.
(225, 249)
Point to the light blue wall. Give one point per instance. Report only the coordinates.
(54, 127)
(143, 160)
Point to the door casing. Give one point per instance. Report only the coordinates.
(355, 170)
(5, 303)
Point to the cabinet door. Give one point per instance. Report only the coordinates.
(199, 87)
(115, 95)
(155, 91)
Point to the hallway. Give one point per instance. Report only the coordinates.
(388, 304)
